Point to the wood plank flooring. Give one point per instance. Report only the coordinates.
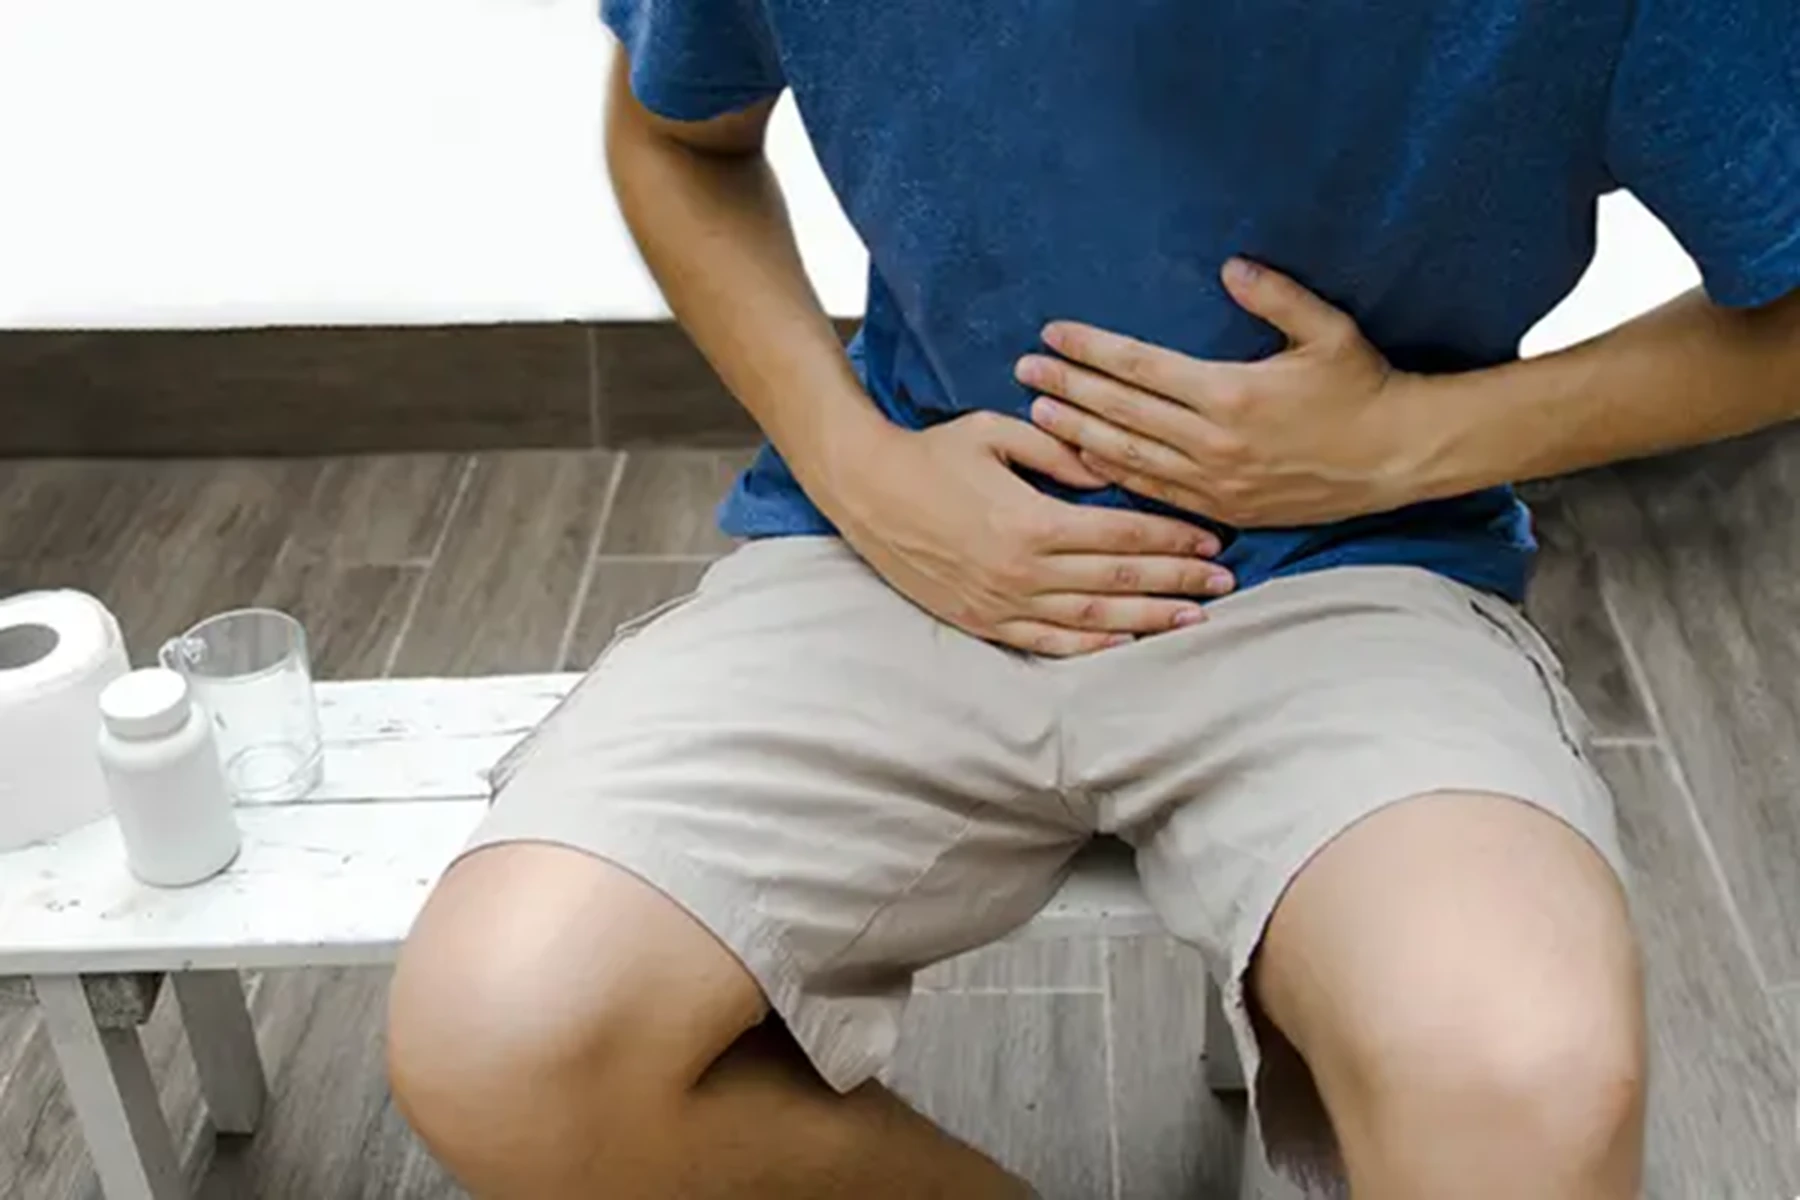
(1074, 1061)
(1787, 1006)
(1698, 570)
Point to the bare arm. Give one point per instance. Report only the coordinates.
(939, 514)
(1686, 373)
(708, 215)
(1327, 429)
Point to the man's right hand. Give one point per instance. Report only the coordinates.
(943, 517)
(940, 514)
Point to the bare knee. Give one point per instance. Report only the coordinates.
(545, 996)
(1556, 1073)
(1459, 973)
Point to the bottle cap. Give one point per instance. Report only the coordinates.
(151, 703)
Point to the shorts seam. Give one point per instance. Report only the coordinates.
(1564, 708)
(912, 885)
(507, 767)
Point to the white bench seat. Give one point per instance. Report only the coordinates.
(338, 877)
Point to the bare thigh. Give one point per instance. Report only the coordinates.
(1451, 945)
(1422, 888)
(554, 953)
(560, 1028)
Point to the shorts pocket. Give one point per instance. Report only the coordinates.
(1509, 623)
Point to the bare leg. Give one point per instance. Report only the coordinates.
(560, 1028)
(1460, 975)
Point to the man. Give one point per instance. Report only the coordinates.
(1162, 495)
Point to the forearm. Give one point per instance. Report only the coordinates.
(713, 228)
(1687, 373)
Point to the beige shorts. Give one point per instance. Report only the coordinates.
(845, 789)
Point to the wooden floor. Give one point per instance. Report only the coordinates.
(1672, 591)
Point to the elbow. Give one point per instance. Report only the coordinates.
(632, 128)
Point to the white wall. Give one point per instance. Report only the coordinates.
(242, 162)
(1639, 265)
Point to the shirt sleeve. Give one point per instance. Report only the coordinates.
(696, 59)
(1704, 127)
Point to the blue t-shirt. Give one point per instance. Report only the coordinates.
(1430, 166)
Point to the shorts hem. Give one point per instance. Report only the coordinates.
(831, 1032)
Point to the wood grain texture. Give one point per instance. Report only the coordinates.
(107, 1082)
(1018, 1077)
(499, 596)
(294, 391)
(621, 590)
(363, 869)
(1566, 604)
(1787, 1009)
(42, 1155)
(1032, 964)
(73, 508)
(652, 387)
(667, 500)
(353, 614)
(381, 509)
(174, 542)
(1722, 1085)
(1175, 1137)
(201, 538)
(1697, 557)
(330, 1128)
(1711, 613)
(215, 1013)
(18, 1016)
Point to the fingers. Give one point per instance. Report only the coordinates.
(1103, 439)
(1156, 487)
(1076, 528)
(1116, 614)
(1025, 445)
(1155, 368)
(1136, 575)
(1053, 641)
(1160, 417)
(1285, 304)
(1070, 623)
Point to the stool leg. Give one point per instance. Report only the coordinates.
(1224, 1072)
(113, 1095)
(222, 1040)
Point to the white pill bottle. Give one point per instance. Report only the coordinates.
(164, 780)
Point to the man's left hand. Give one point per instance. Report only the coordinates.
(1322, 431)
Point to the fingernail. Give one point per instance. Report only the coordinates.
(1045, 409)
(1206, 547)
(1188, 616)
(1242, 270)
(1053, 336)
(1220, 583)
(1026, 369)
(1119, 639)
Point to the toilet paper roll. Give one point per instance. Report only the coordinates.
(58, 649)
